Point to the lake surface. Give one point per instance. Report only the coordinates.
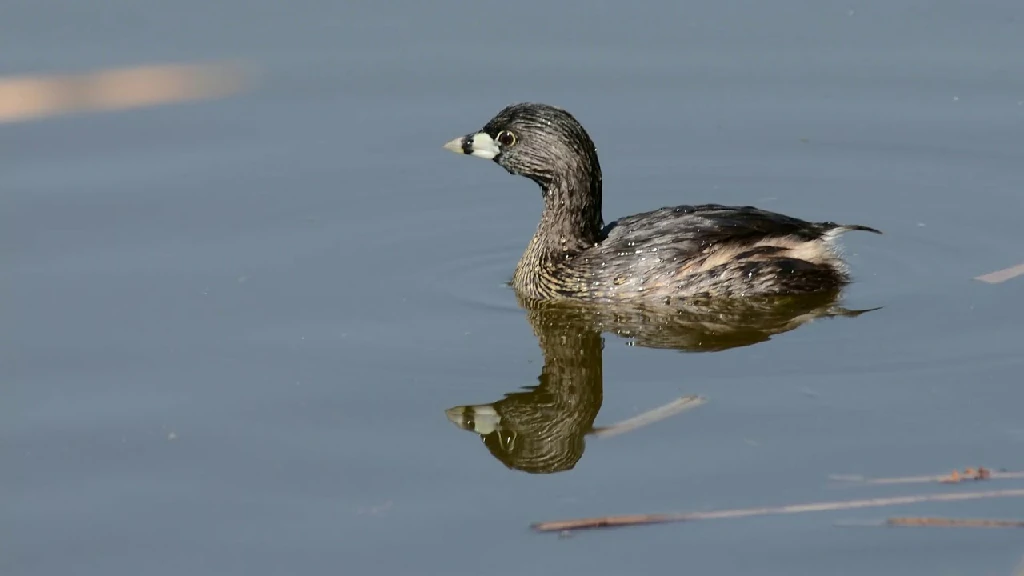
(232, 328)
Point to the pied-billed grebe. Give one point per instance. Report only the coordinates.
(674, 252)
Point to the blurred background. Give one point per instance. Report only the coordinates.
(242, 282)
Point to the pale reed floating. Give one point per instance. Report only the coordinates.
(1002, 275)
(25, 98)
(651, 416)
(644, 519)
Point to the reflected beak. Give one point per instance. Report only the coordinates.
(481, 419)
(480, 145)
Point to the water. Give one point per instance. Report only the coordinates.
(232, 328)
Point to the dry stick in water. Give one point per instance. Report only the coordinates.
(919, 521)
(967, 475)
(651, 416)
(955, 522)
(643, 519)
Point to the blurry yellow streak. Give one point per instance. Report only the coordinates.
(24, 98)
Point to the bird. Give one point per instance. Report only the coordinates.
(664, 255)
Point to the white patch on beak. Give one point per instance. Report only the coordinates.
(484, 146)
(480, 145)
(485, 419)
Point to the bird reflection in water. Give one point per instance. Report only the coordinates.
(542, 429)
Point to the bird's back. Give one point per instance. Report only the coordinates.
(707, 250)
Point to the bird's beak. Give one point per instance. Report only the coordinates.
(480, 145)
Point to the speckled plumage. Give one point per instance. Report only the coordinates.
(708, 250)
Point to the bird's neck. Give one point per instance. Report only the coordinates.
(570, 223)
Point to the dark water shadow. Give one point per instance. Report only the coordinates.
(542, 429)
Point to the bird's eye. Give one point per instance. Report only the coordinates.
(506, 138)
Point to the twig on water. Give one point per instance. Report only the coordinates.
(651, 416)
(920, 521)
(968, 474)
(1002, 275)
(644, 519)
